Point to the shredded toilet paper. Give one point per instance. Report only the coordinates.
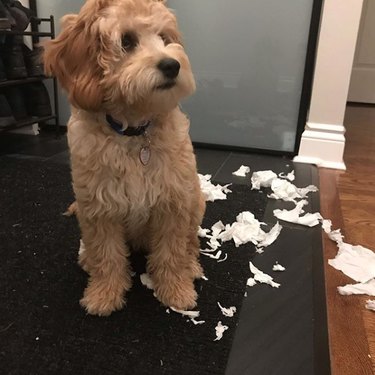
(212, 192)
(278, 267)
(227, 311)
(290, 176)
(334, 235)
(293, 216)
(220, 329)
(262, 277)
(357, 262)
(246, 229)
(251, 281)
(285, 190)
(262, 179)
(146, 281)
(242, 171)
(190, 314)
(370, 304)
(360, 288)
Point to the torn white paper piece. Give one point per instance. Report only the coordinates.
(278, 267)
(190, 314)
(246, 229)
(357, 262)
(360, 288)
(370, 304)
(223, 259)
(197, 321)
(213, 243)
(216, 256)
(241, 172)
(262, 179)
(227, 311)
(202, 232)
(290, 176)
(146, 281)
(262, 277)
(285, 190)
(251, 281)
(293, 216)
(212, 192)
(217, 228)
(220, 329)
(270, 237)
(334, 235)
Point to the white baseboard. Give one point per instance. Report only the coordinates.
(320, 163)
(322, 145)
(28, 130)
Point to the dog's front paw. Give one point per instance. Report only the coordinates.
(101, 301)
(179, 294)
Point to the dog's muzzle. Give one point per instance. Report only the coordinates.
(170, 69)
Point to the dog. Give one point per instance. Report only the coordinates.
(124, 69)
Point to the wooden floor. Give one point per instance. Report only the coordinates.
(348, 198)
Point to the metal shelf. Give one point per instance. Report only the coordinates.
(22, 81)
(19, 32)
(35, 34)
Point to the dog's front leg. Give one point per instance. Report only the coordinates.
(169, 262)
(106, 261)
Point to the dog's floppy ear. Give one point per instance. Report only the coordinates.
(72, 58)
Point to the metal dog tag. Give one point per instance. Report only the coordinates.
(144, 155)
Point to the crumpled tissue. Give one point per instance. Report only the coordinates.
(246, 229)
(242, 171)
(285, 190)
(212, 192)
(262, 179)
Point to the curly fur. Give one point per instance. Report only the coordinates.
(121, 204)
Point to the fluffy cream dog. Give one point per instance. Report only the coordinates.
(134, 174)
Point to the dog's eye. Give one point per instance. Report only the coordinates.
(165, 39)
(129, 41)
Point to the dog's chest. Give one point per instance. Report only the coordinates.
(108, 171)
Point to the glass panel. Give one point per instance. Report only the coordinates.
(248, 58)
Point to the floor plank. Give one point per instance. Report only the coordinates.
(348, 198)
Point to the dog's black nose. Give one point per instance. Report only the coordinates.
(169, 67)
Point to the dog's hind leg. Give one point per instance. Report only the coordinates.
(107, 264)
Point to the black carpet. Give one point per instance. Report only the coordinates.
(43, 329)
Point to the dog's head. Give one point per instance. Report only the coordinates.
(121, 53)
